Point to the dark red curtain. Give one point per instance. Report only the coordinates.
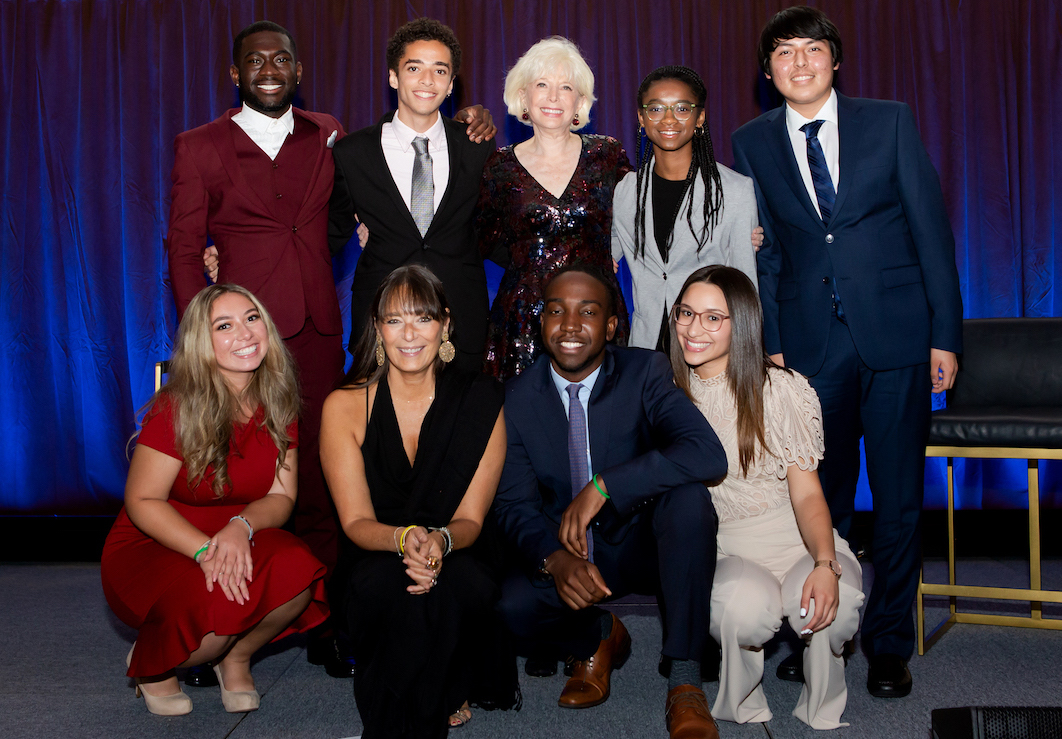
(96, 91)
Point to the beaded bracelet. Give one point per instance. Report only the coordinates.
(598, 486)
(448, 538)
(250, 528)
(200, 550)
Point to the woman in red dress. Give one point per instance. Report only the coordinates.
(195, 560)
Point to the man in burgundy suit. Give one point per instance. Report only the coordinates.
(257, 181)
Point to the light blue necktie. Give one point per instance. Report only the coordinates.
(422, 195)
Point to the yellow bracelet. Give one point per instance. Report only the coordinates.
(402, 539)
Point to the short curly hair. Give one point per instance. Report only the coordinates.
(260, 27)
(423, 29)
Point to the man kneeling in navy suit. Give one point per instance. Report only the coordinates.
(621, 509)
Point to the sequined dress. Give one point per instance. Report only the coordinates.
(542, 234)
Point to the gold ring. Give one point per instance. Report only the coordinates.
(433, 563)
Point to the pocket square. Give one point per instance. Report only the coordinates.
(332, 139)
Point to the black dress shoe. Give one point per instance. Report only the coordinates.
(541, 665)
(200, 676)
(328, 652)
(791, 669)
(888, 676)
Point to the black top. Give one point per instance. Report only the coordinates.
(667, 197)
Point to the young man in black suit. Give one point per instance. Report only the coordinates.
(603, 494)
(413, 180)
(860, 293)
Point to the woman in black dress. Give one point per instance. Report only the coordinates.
(412, 452)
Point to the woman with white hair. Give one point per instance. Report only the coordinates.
(547, 202)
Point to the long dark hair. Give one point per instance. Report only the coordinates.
(747, 363)
(412, 287)
(703, 164)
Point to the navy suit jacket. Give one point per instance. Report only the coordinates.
(646, 437)
(364, 185)
(888, 243)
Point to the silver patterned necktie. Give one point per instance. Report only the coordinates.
(422, 196)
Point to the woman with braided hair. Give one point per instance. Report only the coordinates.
(680, 210)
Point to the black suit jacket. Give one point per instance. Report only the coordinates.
(364, 186)
(888, 243)
(646, 437)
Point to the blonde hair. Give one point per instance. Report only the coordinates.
(549, 56)
(205, 407)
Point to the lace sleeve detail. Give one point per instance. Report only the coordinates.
(793, 420)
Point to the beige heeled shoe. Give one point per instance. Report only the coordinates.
(177, 704)
(237, 701)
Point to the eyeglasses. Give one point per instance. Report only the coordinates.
(711, 321)
(681, 111)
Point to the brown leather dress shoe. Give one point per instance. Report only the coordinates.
(589, 684)
(687, 714)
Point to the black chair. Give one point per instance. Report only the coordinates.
(1006, 403)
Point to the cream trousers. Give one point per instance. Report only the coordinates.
(761, 567)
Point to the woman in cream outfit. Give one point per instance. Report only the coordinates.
(778, 553)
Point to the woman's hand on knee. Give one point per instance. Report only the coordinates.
(820, 586)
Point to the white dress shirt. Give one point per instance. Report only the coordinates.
(828, 139)
(397, 141)
(268, 133)
(587, 383)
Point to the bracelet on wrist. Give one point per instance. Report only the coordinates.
(250, 528)
(394, 538)
(402, 540)
(200, 551)
(448, 539)
(599, 488)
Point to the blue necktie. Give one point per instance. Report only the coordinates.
(824, 192)
(577, 450)
(820, 173)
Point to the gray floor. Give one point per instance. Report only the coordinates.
(62, 675)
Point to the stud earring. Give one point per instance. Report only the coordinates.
(525, 116)
(380, 355)
(447, 352)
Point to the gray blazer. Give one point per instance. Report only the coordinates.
(657, 285)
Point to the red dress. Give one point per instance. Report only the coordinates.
(162, 593)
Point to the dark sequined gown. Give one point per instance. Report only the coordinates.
(543, 233)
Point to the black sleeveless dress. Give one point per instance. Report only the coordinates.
(413, 652)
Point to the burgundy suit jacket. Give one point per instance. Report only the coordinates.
(287, 265)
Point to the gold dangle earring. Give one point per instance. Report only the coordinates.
(380, 355)
(447, 352)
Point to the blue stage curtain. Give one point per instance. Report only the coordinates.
(96, 91)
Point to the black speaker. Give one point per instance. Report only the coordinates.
(981, 722)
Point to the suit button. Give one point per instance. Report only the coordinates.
(825, 280)
(829, 237)
(275, 165)
(294, 229)
(665, 277)
(424, 247)
(279, 196)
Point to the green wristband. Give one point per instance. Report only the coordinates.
(598, 486)
(200, 551)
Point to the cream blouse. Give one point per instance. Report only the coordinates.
(793, 430)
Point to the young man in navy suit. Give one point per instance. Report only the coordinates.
(860, 293)
(418, 203)
(603, 494)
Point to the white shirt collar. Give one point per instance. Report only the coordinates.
(436, 135)
(828, 112)
(252, 120)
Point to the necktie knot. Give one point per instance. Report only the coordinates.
(812, 129)
(573, 391)
(420, 143)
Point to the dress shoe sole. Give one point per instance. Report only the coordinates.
(618, 661)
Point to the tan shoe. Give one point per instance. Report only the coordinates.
(589, 684)
(687, 714)
(237, 701)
